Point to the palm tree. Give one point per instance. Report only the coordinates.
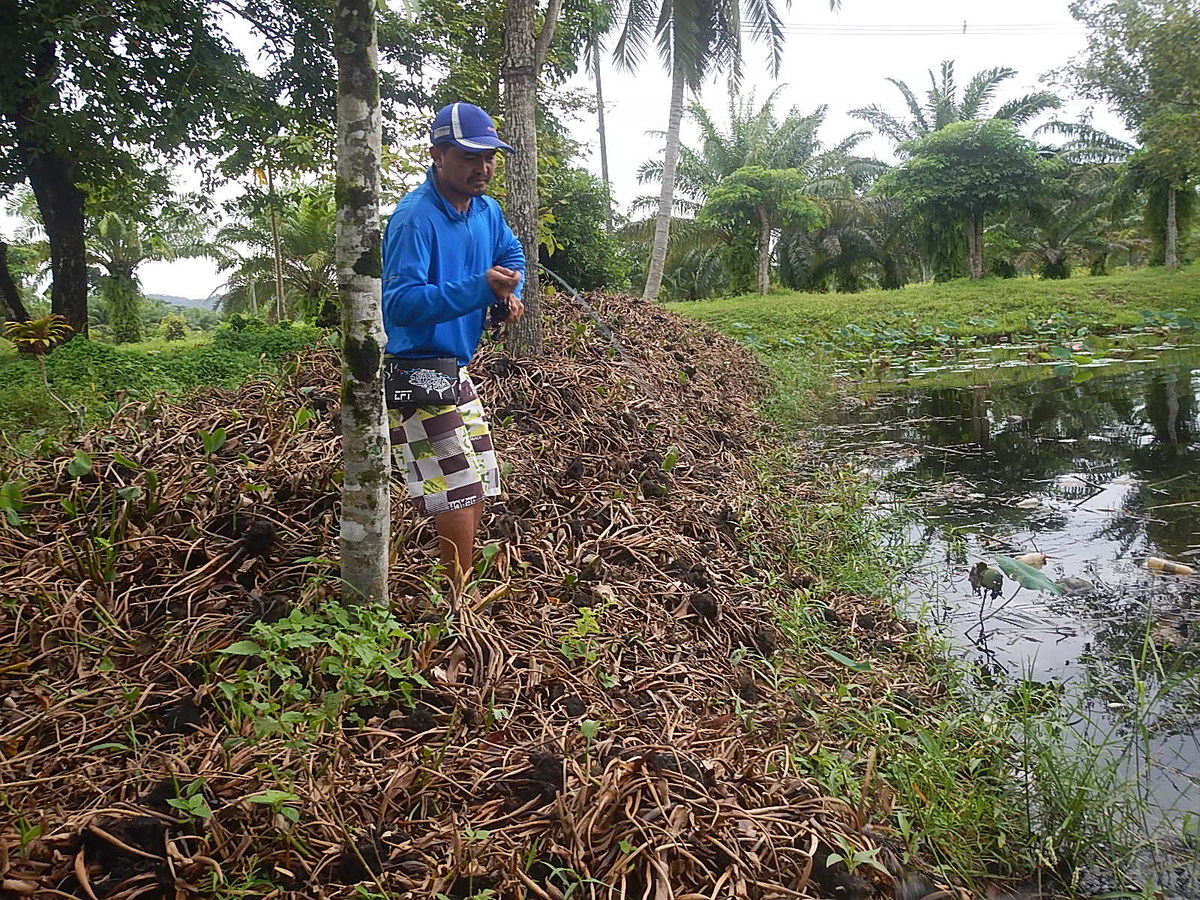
(756, 143)
(943, 105)
(119, 242)
(1166, 210)
(599, 24)
(694, 38)
(306, 241)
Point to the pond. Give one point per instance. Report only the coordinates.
(1094, 462)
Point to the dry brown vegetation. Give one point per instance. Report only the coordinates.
(618, 716)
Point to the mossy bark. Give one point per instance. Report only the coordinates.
(366, 497)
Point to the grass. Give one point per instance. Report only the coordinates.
(978, 785)
(88, 379)
(1113, 300)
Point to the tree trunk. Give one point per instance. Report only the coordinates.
(60, 200)
(523, 57)
(764, 250)
(276, 247)
(1171, 239)
(124, 301)
(366, 488)
(666, 197)
(974, 229)
(608, 223)
(10, 295)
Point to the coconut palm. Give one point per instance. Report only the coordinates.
(306, 225)
(943, 105)
(695, 38)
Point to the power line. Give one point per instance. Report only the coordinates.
(962, 29)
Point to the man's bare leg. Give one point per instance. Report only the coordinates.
(456, 536)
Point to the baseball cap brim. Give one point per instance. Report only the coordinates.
(481, 142)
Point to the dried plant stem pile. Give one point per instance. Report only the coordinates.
(188, 710)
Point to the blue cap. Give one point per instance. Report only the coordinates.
(466, 126)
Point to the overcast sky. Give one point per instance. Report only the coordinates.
(838, 59)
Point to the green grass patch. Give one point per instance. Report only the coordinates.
(87, 379)
(989, 307)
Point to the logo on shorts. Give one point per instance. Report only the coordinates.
(431, 380)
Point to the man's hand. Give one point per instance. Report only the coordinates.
(516, 309)
(502, 281)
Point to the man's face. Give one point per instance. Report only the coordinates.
(466, 173)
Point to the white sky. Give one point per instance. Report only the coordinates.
(838, 59)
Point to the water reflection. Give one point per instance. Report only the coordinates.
(1098, 469)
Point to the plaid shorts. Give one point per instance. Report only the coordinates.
(445, 452)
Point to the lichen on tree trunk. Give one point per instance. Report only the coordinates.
(366, 495)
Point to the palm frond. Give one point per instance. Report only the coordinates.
(981, 89)
(1030, 106)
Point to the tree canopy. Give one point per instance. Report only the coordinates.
(967, 170)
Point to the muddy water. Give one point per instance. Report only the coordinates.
(1098, 466)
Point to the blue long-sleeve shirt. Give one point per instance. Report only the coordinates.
(435, 291)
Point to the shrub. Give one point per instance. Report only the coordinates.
(273, 341)
(211, 364)
(89, 370)
(173, 328)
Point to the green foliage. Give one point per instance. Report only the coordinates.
(999, 307)
(305, 218)
(944, 106)
(1140, 56)
(37, 336)
(586, 257)
(752, 191)
(273, 341)
(462, 43)
(301, 675)
(123, 299)
(173, 328)
(966, 168)
(91, 376)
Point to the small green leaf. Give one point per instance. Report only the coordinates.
(848, 662)
(271, 796)
(589, 728)
(123, 460)
(212, 440)
(243, 648)
(80, 465)
(111, 745)
(129, 494)
(670, 460)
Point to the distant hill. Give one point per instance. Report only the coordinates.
(185, 301)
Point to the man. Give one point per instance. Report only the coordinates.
(449, 256)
